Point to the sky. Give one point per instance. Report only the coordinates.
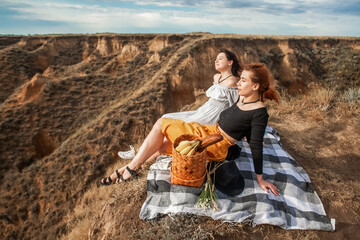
(266, 17)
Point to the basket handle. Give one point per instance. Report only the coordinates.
(209, 140)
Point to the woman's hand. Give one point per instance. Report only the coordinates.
(266, 186)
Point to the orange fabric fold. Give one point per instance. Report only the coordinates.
(173, 128)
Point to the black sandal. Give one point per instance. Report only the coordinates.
(107, 180)
(119, 177)
(104, 182)
(134, 173)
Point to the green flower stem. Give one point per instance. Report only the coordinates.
(208, 197)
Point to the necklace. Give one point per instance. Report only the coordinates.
(243, 103)
(221, 80)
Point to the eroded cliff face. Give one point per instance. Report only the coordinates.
(69, 103)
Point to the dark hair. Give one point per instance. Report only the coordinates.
(235, 67)
(261, 75)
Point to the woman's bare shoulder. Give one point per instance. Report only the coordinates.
(216, 77)
(231, 82)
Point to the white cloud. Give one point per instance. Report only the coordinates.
(112, 18)
(148, 19)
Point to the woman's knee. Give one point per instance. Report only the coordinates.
(158, 124)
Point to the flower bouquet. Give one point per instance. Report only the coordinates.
(208, 197)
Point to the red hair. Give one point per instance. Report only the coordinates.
(262, 76)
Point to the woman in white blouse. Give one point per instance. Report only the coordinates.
(222, 94)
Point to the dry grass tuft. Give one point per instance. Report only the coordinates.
(352, 95)
(106, 210)
(323, 98)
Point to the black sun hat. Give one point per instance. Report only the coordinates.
(227, 178)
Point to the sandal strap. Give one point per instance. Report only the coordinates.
(122, 178)
(109, 180)
(106, 181)
(119, 176)
(133, 173)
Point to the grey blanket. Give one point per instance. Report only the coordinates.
(297, 207)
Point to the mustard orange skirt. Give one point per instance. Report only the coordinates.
(173, 128)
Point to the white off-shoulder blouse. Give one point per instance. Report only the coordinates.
(220, 97)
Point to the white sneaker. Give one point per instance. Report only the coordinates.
(128, 155)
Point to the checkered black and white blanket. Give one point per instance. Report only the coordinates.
(297, 207)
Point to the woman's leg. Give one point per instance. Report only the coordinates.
(150, 146)
(158, 153)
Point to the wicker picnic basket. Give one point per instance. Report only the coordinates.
(188, 170)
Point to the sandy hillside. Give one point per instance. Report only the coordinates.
(68, 103)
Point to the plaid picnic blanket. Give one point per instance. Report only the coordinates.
(297, 207)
